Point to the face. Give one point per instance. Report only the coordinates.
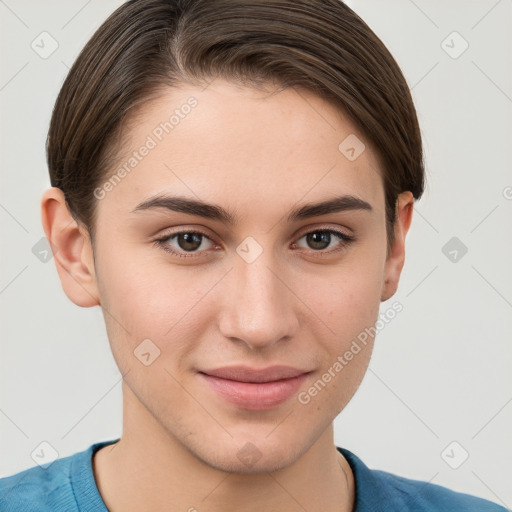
(256, 280)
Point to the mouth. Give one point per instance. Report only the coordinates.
(254, 388)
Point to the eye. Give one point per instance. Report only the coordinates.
(184, 242)
(321, 239)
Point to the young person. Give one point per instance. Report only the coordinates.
(232, 182)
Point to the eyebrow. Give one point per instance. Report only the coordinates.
(215, 212)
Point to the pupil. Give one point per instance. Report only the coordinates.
(191, 241)
(323, 238)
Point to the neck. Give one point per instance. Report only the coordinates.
(148, 469)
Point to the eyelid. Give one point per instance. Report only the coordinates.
(185, 229)
(337, 229)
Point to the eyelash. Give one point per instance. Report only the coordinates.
(162, 242)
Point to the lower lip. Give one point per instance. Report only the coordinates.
(253, 395)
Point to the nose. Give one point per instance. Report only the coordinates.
(258, 307)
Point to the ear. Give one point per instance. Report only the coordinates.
(396, 257)
(72, 249)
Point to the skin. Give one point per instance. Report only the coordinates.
(258, 155)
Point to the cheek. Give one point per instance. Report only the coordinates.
(148, 297)
(147, 291)
(347, 300)
(151, 299)
(352, 306)
(348, 303)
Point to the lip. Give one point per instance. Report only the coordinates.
(254, 388)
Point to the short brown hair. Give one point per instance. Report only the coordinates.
(145, 45)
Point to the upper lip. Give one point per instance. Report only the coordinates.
(248, 374)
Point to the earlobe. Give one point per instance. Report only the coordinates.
(396, 258)
(72, 250)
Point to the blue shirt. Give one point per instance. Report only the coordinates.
(68, 485)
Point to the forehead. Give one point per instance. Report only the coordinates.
(242, 147)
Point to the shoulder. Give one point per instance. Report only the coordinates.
(64, 484)
(422, 496)
(38, 488)
(379, 490)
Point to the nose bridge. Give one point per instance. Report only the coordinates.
(258, 308)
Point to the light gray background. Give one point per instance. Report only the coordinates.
(441, 369)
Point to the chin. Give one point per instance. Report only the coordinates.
(251, 457)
